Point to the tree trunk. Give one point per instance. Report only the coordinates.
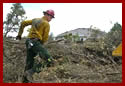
(6, 34)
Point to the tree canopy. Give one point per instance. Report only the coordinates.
(14, 18)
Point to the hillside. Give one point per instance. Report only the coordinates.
(74, 63)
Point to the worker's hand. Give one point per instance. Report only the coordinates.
(18, 37)
(50, 62)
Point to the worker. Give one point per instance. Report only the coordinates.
(38, 35)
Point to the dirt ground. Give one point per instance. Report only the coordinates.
(74, 63)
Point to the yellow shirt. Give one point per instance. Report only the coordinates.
(40, 28)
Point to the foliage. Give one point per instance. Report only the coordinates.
(14, 18)
(116, 27)
(68, 37)
(71, 37)
(76, 38)
(114, 37)
(95, 33)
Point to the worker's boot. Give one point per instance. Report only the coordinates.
(24, 79)
(28, 75)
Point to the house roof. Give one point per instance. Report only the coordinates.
(83, 32)
(79, 31)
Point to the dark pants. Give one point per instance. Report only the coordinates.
(34, 47)
(32, 51)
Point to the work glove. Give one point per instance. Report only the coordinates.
(50, 62)
(18, 37)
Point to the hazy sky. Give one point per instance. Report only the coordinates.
(69, 16)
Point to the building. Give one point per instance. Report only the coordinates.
(81, 33)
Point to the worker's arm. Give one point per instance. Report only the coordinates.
(23, 25)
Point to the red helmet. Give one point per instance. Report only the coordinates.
(50, 12)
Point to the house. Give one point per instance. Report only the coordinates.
(80, 34)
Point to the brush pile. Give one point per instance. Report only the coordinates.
(87, 62)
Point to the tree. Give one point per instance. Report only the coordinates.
(113, 37)
(116, 27)
(76, 38)
(13, 19)
(68, 36)
(95, 33)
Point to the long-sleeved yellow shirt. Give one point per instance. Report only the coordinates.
(40, 28)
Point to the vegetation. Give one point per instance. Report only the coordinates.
(114, 37)
(13, 19)
(95, 33)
